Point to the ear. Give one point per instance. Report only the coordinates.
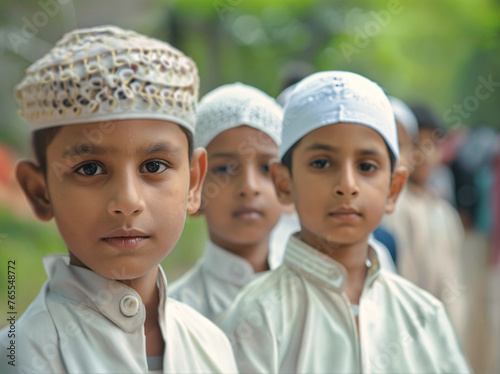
(34, 185)
(282, 182)
(398, 182)
(197, 176)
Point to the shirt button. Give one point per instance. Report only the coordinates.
(129, 305)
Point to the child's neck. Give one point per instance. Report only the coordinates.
(352, 257)
(255, 253)
(147, 288)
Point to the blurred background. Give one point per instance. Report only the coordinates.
(443, 54)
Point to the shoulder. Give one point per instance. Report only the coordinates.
(193, 336)
(268, 300)
(189, 322)
(38, 334)
(276, 285)
(192, 279)
(406, 292)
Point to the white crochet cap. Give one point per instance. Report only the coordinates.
(106, 73)
(235, 105)
(331, 97)
(404, 116)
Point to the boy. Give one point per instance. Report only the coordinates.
(240, 126)
(330, 307)
(427, 229)
(112, 113)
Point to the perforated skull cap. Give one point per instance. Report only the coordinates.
(106, 73)
(234, 105)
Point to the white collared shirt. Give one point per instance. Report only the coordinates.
(298, 319)
(81, 322)
(215, 280)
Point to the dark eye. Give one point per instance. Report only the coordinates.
(320, 164)
(224, 169)
(367, 167)
(265, 168)
(153, 167)
(90, 168)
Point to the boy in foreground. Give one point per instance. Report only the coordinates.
(330, 308)
(113, 114)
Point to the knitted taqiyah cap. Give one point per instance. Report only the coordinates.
(331, 97)
(404, 116)
(106, 73)
(235, 105)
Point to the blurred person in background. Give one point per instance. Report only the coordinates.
(494, 274)
(427, 229)
(476, 198)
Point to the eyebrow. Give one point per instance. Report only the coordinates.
(83, 149)
(162, 147)
(230, 155)
(329, 148)
(87, 149)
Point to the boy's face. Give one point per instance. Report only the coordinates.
(341, 184)
(429, 157)
(239, 200)
(118, 192)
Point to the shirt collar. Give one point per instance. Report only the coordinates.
(117, 302)
(229, 267)
(321, 268)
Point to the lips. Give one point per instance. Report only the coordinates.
(125, 238)
(248, 213)
(346, 214)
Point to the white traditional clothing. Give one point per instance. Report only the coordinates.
(429, 237)
(81, 322)
(215, 280)
(297, 319)
(213, 283)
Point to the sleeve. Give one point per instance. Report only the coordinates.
(252, 337)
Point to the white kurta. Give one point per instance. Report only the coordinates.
(297, 319)
(215, 280)
(81, 322)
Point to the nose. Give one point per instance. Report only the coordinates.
(248, 184)
(346, 185)
(127, 197)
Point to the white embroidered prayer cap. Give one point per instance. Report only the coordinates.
(106, 73)
(234, 105)
(331, 97)
(404, 116)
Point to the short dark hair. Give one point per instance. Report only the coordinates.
(426, 118)
(41, 140)
(287, 158)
